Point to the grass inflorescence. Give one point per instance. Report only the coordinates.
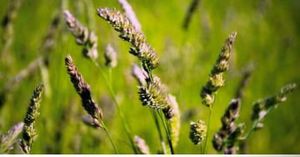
(157, 90)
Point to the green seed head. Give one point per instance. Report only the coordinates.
(29, 132)
(198, 132)
(154, 95)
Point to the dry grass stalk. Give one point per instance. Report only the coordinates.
(216, 79)
(128, 32)
(130, 14)
(83, 89)
(141, 145)
(9, 139)
(83, 35)
(29, 131)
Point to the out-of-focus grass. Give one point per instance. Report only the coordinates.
(268, 36)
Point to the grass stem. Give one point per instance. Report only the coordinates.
(162, 142)
(208, 128)
(109, 137)
(121, 114)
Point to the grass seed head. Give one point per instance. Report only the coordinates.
(232, 112)
(128, 32)
(261, 107)
(29, 131)
(154, 95)
(139, 74)
(83, 89)
(229, 130)
(83, 35)
(141, 145)
(130, 14)
(198, 132)
(216, 79)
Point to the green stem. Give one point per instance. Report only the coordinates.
(167, 129)
(109, 137)
(121, 114)
(255, 123)
(252, 129)
(208, 128)
(162, 142)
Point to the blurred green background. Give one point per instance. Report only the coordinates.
(268, 37)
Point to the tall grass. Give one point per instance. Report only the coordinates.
(165, 96)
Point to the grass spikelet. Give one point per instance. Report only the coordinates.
(83, 89)
(154, 95)
(128, 32)
(141, 145)
(139, 74)
(29, 131)
(83, 35)
(130, 14)
(233, 140)
(198, 132)
(7, 140)
(89, 121)
(216, 79)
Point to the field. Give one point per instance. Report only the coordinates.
(267, 43)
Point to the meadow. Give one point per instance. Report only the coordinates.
(35, 43)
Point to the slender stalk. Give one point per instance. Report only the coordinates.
(208, 127)
(191, 10)
(162, 142)
(109, 137)
(121, 114)
(167, 129)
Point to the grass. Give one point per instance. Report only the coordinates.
(268, 36)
